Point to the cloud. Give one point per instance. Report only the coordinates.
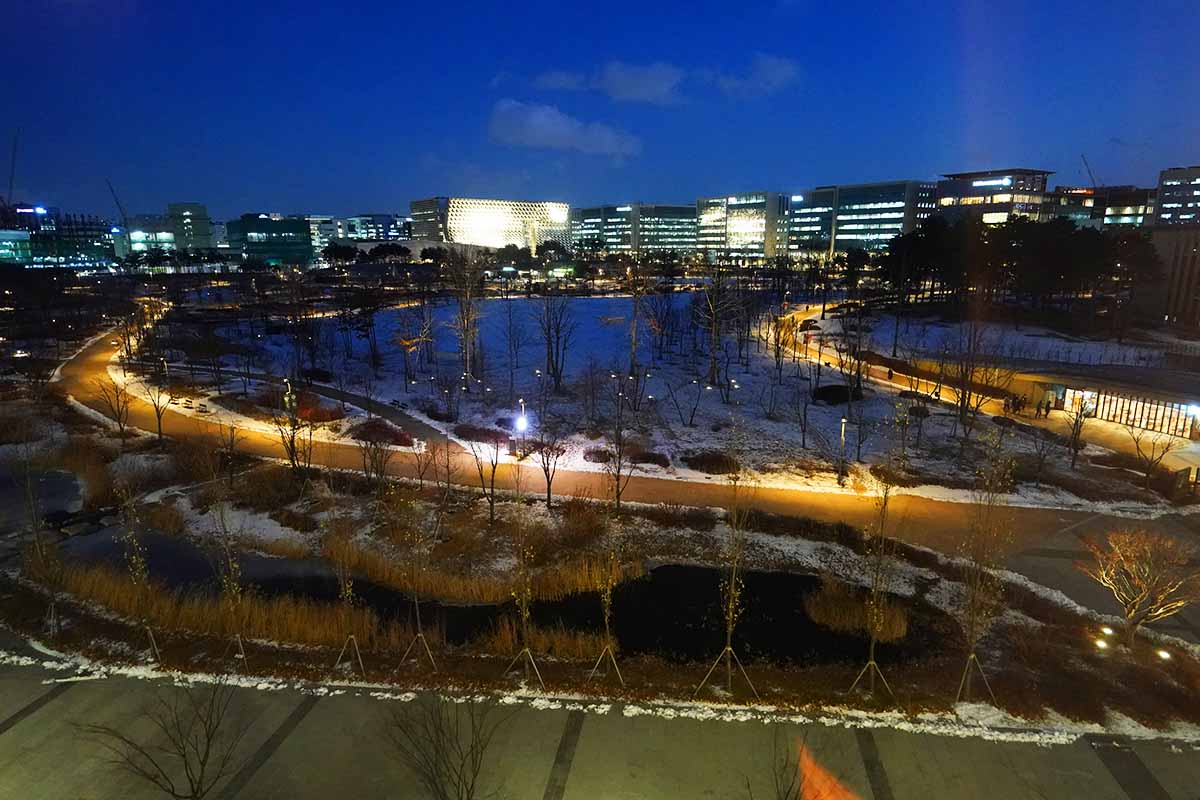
(767, 75)
(545, 127)
(657, 83)
(560, 79)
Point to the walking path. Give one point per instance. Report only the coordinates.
(932, 523)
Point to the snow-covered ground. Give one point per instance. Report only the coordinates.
(760, 424)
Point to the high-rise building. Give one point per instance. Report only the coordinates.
(270, 238)
(1100, 206)
(490, 223)
(146, 232)
(1178, 246)
(191, 225)
(429, 218)
(634, 228)
(322, 229)
(995, 195)
(864, 215)
(746, 228)
(1178, 196)
(54, 239)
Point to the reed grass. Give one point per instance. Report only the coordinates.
(278, 619)
(504, 639)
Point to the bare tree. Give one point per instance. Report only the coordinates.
(1151, 448)
(445, 743)
(983, 549)
(1077, 417)
(880, 614)
(515, 338)
(557, 326)
(1151, 575)
(466, 283)
(295, 435)
(376, 453)
(607, 577)
(195, 737)
(715, 309)
(1044, 444)
(736, 517)
(424, 455)
(619, 466)
(115, 398)
(160, 397)
(486, 455)
(445, 467)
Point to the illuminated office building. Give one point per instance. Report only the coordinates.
(191, 225)
(1101, 207)
(865, 215)
(745, 228)
(377, 227)
(995, 196)
(270, 238)
(634, 228)
(1178, 196)
(55, 239)
(490, 223)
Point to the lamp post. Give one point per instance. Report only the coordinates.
(522, 424)
(843, 440)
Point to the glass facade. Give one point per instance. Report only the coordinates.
(995, 196)
(377, 227)
(865, 216)
(634, 228)
(266, 237)
(1149, 414)
(1179, 196)
(745, 228)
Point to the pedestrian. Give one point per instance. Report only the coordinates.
(1006, 405)
(890, 373)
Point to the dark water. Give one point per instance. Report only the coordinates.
(673, 612)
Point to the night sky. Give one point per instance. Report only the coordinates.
(341, 109)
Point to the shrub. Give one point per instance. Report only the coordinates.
(711, 462)
(597, 455)
(581, 523)
(674, 515)
(267, 488)
(477, 433)
(378, 429)
(163, 518)
(196, 459)
(638, 455)
(296, 520)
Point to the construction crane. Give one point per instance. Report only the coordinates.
(1088, 167)
(117, 200)
(12, 168)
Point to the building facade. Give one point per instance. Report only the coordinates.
(745, 228)
(491, 223)
(995, 196)
(376, 227)
(271, 239)
(1178, 200)
(46, 237)
(1100, 206)
(866, 215)
(192, 227)
(1179, 248)
(634, 228)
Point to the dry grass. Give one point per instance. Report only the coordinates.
(196, 459)
(163, 518)
(280, 619)
(839, 608)
(557, 642)
(88, 460)
(267, 488)
(284, 548)
(296, 520)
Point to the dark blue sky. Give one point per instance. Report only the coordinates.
(342, 108)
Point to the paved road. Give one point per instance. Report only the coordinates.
(299, 745)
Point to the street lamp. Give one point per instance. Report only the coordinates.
(843, 440)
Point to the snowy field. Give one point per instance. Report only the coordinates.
(929, 336)
(760, 423)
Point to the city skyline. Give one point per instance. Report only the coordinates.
(609, 121)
